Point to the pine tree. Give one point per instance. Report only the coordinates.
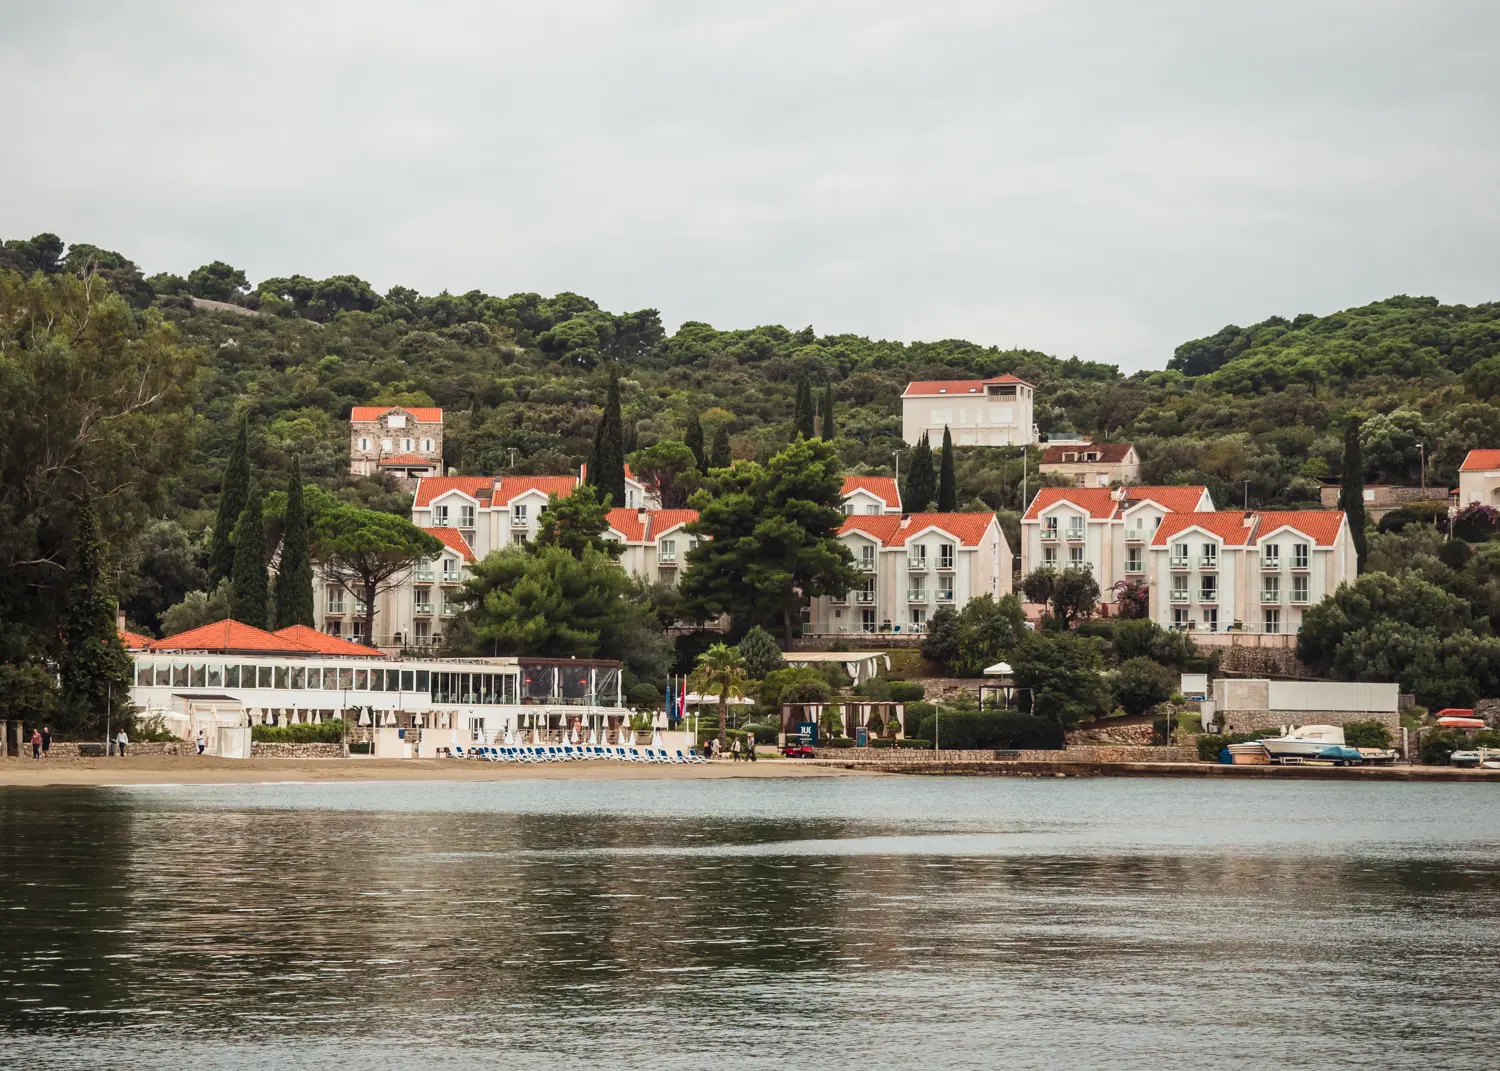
(829, 429)
(802, 413)
(920, 483)
(233, 492)
(947, 495)
(693, 436)
(1352, 490)
(294, 577)
(94, 667)
(607, 461)
(719, 455)
(248, 580)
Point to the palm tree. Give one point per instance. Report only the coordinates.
(721, 672)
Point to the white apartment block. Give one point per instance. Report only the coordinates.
(1252, 572)
(1104, 530)
(871, 496)
(979, 412)
(656, 542)
(405, 441)
(912, 566)
(1092, 464)
(1479, 479)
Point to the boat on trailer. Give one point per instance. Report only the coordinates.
(1301, 743)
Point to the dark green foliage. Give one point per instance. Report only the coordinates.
(762, 656)
(921, 485)
(972, 730)
(906, 692)
(644, 696)
(693, 438)
(669, 470)
(249, 580)
(162, 568)
(1352, 493)
(234, 492)
(294, 572)
(829, 428)
(94, 669)
(719, 456)
(1475, 523)
(325, 732)
(607, 463)
(780, 684)
(1366, 734)
(1146, 639)
(1140, 684)
(947, 494)
(1072, 593)
(366, 552)
(940, 644)
(1454, 553)
(576, 523)
(802, 412)
(1061, 677)
(1438, 747)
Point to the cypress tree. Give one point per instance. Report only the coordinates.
(947, 496)
(719, 455)
(234, 490)
(94, 667)
(632, 438)
(1352, 490)
(248, 580)
(829, 430)
(802, 414)
(607, 472)
(917, 493)
(693, 437)
(294, 577)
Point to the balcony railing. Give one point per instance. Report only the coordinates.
(1210, 561)
(945, 565)
(1181, 563)
(423, 576)
(839, 600)
(1270, 595)
(944, 596)
(1180, 594)
(864, 596)
(1300, 565)
(1136, 566)
(669, 562)
(1299, 595)
(865, 565)
(1049, 535)
(1075, 535)
(422, 609)
(518, 522)
(1270, 563)
(335, 608)
(916, 565)
(1208, 594)
(1136, 535)
(916, 594)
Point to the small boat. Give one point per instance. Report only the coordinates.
(1458, 718)
(1340, 755)
(1304, 742)
(1251, 754)
(1465, 758)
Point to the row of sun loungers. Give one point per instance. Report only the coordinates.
(568, 752)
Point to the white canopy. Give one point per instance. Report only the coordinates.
(999, 669)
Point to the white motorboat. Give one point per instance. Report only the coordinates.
(1302, 742)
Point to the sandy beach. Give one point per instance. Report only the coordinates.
(192, 770)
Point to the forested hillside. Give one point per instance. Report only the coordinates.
(522, 379)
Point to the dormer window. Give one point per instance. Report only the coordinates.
(1069, 457)
(1091, 457)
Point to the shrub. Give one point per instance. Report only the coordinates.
(1141, 684)
(760, 652)
(1438, 747)
(808, 691)
(1102, 628)
(773, 691)
(836, 741)
(764, 734)
(1367, 734)
(915, 712)
(644, 695)
(328, 732)
(915, 743)
(1008, 729)
(906, 691)
(1474, 523)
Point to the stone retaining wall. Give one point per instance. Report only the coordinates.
(1249, 721)
(69, 750)
(296, 751)
(921, 757)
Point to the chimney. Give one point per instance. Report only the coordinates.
(641, 514)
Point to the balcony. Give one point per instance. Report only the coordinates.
(519, 522)
(423, 576)
(1180, 594)
(916, 565)
(667, 563)
(916, 594)
(1136, 535)
(1299, 596)
(1049, 535)
(864, 597)
(335, 609)
(1271, 564)
(944, 596)
(841, 599)
(1270, 595)
(945, 565)
(451, 578)
(1075, 535)
(1209, 562)
(1134, 566)
(865, 565)
(1181, 563)
(1300, 565)
(1208, 595)
(422, 609)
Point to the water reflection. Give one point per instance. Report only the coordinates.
(828, 924)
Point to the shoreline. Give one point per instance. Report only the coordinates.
(1093, 768)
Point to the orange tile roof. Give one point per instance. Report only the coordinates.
(422, 414)
(511, 487)
(882, 487)
(134, 641)
(657, 522)
(628, 523)
(968, 528)
(323, 643)
(1319, 525)
(882, 526)
(1228, 524)
(945, 387)
(408, 459)
(664, 520)
(429, 487)
(1173, 499)
(1481, 461)
(453, 539)
(228, 636)
(1109, 453)
(1098, 502)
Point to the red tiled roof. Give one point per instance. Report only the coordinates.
(1173, 499)
(880, 526)
(323, 643)
(882, 487)
(657, 522)
(421, 414)
(1319, 525)
(511, 487)
(430, 487)
(1098, 502)
(134, 641)
(1481, 461)
(453, 539)
(401, 460)
(628, 523)
(968, 528)
(944, 387)
(664, 520)
(229, 635)
(1109, 453)
(1228, 524)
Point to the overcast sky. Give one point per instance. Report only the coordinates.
(1105, 178)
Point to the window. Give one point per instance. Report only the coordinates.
(1075, 527)
(335, 599)
(867, 620)
(518, 513)
(1208, 587)
(1081, 480)
(867, 558)
(426, 446)
(1270, 589)
(357, 629)
(1134, 560)
(266, 677)
(1049, 557)
(872, 510)
(422, 632)
(1299, 556)
(1299, 588)
(945, 555)
(916, 556)
(669, 550)
(945, 589)
(364, 444)
(440, 516)
(1270, 556)
(314, 677)
(422, 600)
(1180, 588)
(916, 590)
(848, 509)
(1049, 527)
(867, 592)
(918, 616)
(466, 516)
(450, 571)
(448, 604)
(1075, 558)
(335, 628)
(1180, 555)
(1210, 559)
(1273, 621)
(406, 445)
(1069, 457)
(1179, 617)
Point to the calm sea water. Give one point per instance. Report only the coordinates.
(851, 923)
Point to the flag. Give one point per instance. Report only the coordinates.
(671, 703)
(682, 700)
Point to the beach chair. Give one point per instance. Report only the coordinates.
(458, 751)
(678, 756)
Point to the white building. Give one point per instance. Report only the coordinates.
(980, 412)
(871, 495)
(656, 544)
(405, 441)
(1092, 464)
(1479, 478)
(912, 566)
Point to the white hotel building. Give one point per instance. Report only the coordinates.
(979, 412)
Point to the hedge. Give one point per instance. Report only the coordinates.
(328, 732)
(979, 731)
(906, 692)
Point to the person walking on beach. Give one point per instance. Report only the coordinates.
(46, 741)
(750, 747)
(201, 742)
(121, 741)
(734, 750)
(36, 744)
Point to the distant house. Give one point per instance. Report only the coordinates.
(1093, 464)
(406, 442)
(870, 495)
(979, 412)
(1382, 498)
(656, 545)
(1479, 478)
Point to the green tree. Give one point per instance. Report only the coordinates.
(947, 496)
(1072, 593)
(720, 672)
(758, 649)
(921, 485)
(607, 462)
(669, 469)
(294, 573)
(693, 438)
(367, 553)
(830, 428)
(940, 643)
(160, 568)
(576, 523)
(987, 630)
(94, 668)
(1060, 677)
(770, 538)
(197, 608)
(1141, 684)
(249, 580)
(1352, 491)
(234, 492)
(1370, 600)
(217, 282)
(802, 413)
(719, 456)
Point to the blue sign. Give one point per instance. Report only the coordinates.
(862, 736)
(808, 730)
